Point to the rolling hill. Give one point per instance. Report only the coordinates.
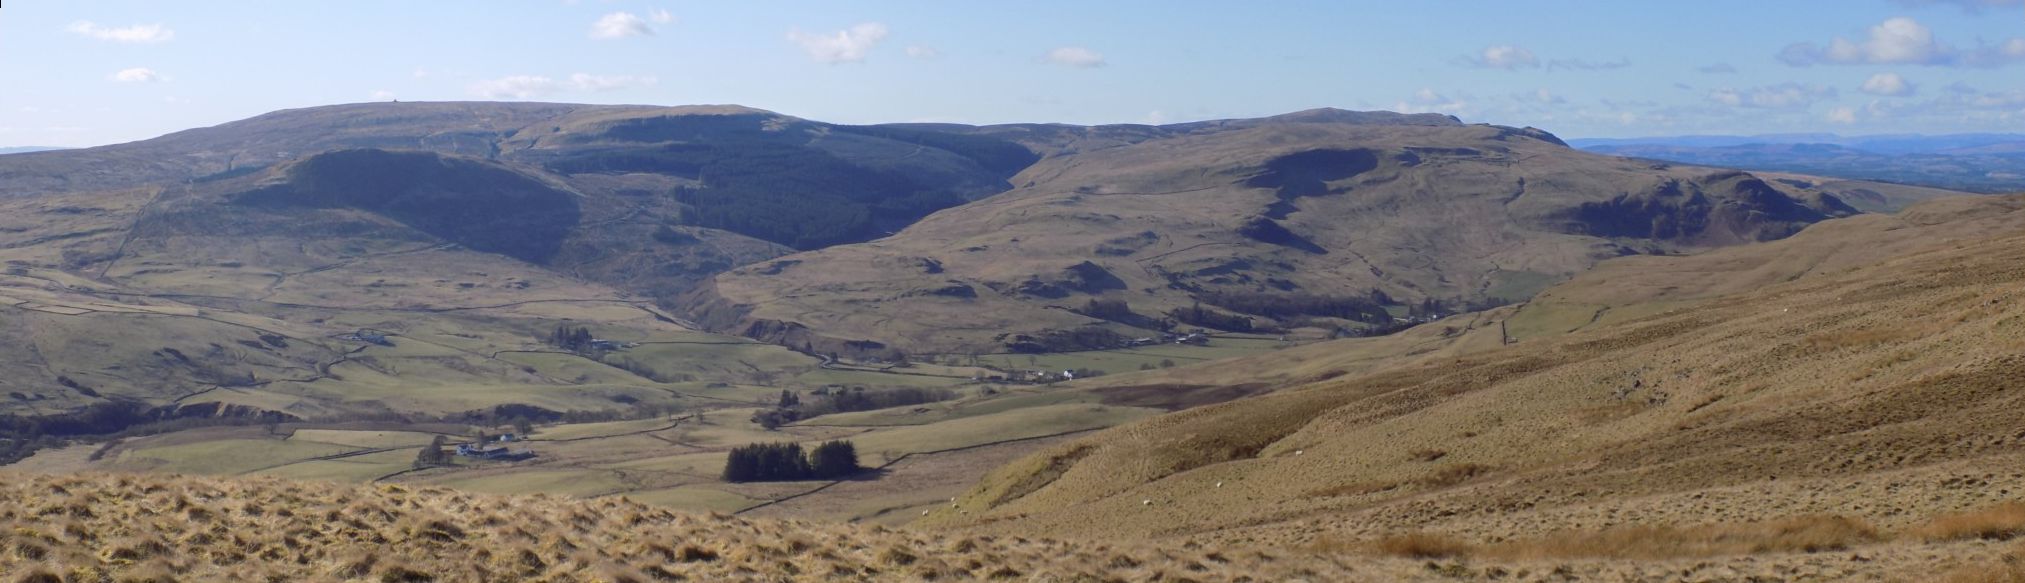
(233, 268)
(1325, 220)
(238, 268)
(1856, 381)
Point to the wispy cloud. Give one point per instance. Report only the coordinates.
(1427, 100)
(923, 52)
(137, 75)
(619, 25)
(850, 45)
(1887, 85)
(516, 87)
(139, 33)
(1078, 57)
(1780, 96)
(1718, 69)
(1507, 57)
(1584, 65)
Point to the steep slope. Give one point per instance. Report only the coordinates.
(1323, 219)
(1865, 370)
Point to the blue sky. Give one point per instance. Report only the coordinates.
(86, 72)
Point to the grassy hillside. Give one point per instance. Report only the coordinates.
(167, 528)
(1316, 224)
(1861, 373)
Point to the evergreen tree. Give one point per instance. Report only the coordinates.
(835, 459)
(432, 455)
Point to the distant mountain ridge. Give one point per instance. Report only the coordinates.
(1988, 163)
(1878, 143)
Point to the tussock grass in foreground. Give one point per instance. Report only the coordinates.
(1801, 534)
(2000, 522)
(2009, 568)
(99, 528)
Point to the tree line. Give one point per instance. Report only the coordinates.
(786, 462)
(578, 339)
(791, 407)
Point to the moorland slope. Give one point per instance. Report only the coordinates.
(1860, 377)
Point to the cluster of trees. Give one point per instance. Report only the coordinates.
(22, 435)
(786, 462)
(1113, 309)
(840, 400)
(1281, 306)
(824, 401)
(1195, 315)
(576, 339)
(433, 455)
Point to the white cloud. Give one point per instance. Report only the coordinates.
(588, 82)
(1844, 114)
(1899, 40)
(620, 25)
(1781, 96)
(1902, 41)
(515, 87)
(139, 33)
(382, 95)
(1888, 85)
(923, 52)
(137, 75)
(844, 46)
(660, 16)
(1077, 57)
(421, 73)
(1505, 57)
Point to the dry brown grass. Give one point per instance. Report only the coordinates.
(1453, 474)
(2000, 522)
(1421, 545)
(1809, 534)
(2009, 568)
(158, 529)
